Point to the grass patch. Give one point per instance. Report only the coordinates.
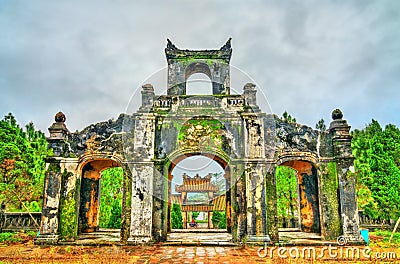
(9, 238)
(380, 238)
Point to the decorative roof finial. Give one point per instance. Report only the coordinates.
(170, 45)
(60, 117)
(337, 114)
(227, 46)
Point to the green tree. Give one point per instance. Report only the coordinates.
(288, 118)
(320, 125)
(376, 152)
(115, 215)
(217, 219)
(195, 215)
(176, 217)
(222, 222)
(111, 198)
(286, 192)
(22, 165)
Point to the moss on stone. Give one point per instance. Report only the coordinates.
(68, 217)
(330, 200)
(270, 194)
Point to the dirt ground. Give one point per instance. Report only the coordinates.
(30, 253)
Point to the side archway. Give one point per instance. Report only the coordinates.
(308, 192)
(90, 189)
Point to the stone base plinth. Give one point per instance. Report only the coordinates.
(46, 239)
(258, 239)
(138, 240)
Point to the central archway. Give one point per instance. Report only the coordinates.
(214, 207)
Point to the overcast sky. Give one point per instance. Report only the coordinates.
(87, 58)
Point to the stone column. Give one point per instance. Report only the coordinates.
(249, 94)
(238, 200)
(255, 172)
(141, 203)
(271, 207)
(161, 188)
(142, 170)
(341, 139)
(147, 97)
(256, 202)
(126, 204)
(329, 202)
(48, 233)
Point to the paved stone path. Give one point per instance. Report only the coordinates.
(132, 254)
(29, 253)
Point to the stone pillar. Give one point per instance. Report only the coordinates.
(257, 230)
(271, 207)
(255, 171)
(341, 139)
(48, 233)
(330, 218)
(147, 97)
(141, 203)
(126, 204)
(160, 203)
(249, 94)
(228, 210)
(142, 169)
(238, 192)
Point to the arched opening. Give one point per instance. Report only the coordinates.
(111, 181)
(298, 196)
(199, 84)
(287, 198)
(199, 196)
(97, 209)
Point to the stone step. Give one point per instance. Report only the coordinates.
(196, 237)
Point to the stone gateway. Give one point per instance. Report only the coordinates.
(230, 129)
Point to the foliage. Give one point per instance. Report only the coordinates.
(115, 218)
(8, 237)
(219, 219)
(111, 198)
(320, 125)
(22, 165)
(286, 192)
(68, 226)
(176, 217)
(377, 163)
(288, 118)
(222, 222)
(195, 215)
(16, 237)
(381, 239)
